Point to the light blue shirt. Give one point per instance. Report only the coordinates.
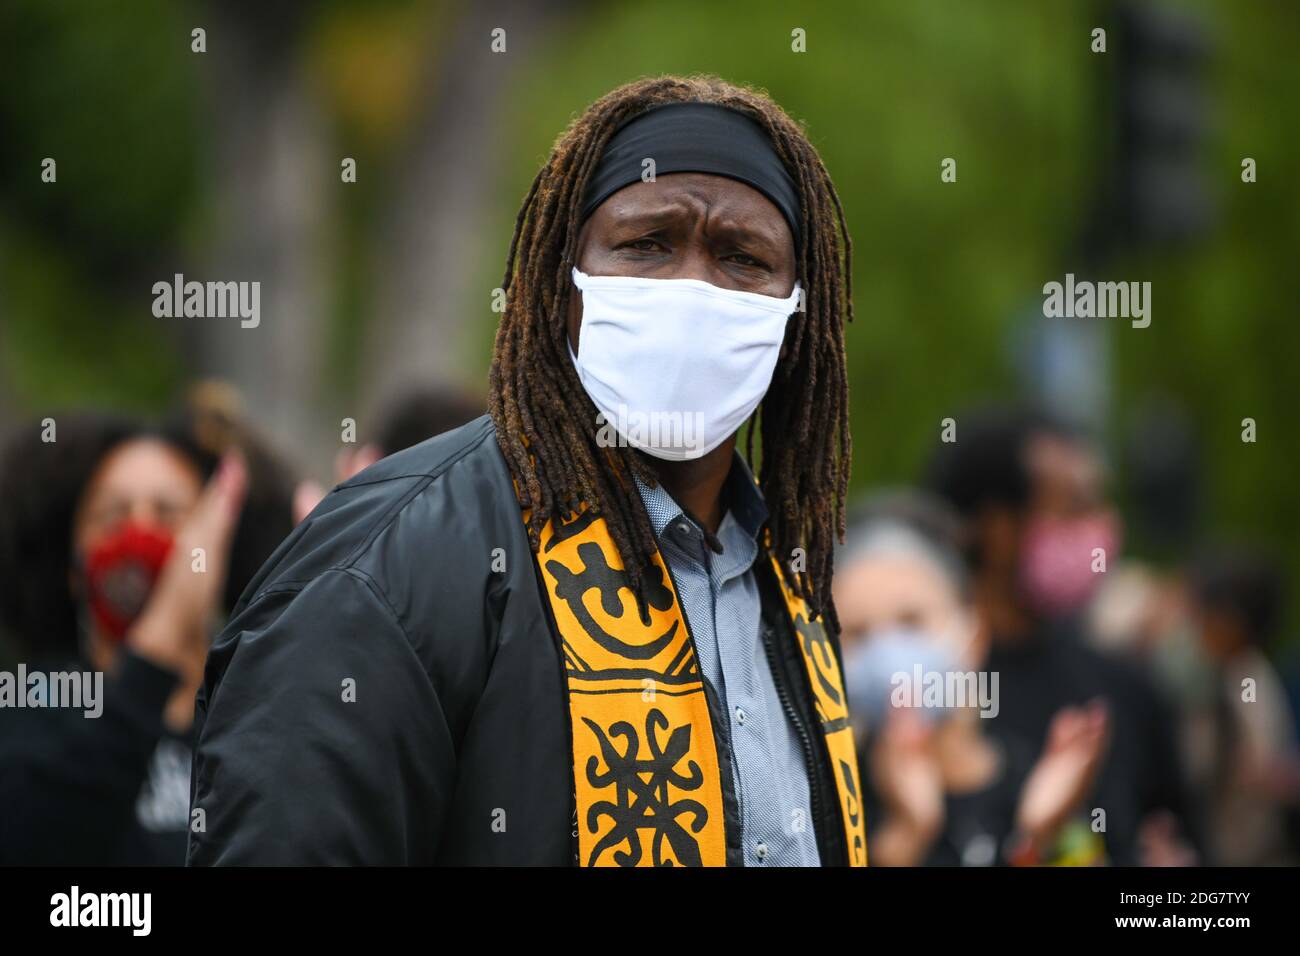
(720, 598)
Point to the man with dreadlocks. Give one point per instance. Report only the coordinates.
(583, 628)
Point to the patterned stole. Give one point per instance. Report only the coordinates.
(646, 770)
(832, 705)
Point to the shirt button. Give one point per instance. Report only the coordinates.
(683, 528)
(740, 716)
(760, 851)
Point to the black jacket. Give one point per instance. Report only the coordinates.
(455, 749)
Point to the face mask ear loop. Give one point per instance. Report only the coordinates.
(575, 273)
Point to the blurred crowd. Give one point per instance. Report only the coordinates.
(1134, 715)
(1022, 692)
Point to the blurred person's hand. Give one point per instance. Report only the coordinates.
(350, 462)
(1160, 843)
(347, 464)
(906, 773)
(1064, 774)
(306, 496)
(172, 630)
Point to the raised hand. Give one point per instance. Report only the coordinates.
(1064, 774)
(172, 630)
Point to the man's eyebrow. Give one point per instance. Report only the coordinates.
(624, 218)
(747, 231)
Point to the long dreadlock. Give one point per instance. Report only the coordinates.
(546, 424)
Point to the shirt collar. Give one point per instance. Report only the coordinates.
(744, 501)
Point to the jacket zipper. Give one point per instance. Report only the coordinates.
(814, 775)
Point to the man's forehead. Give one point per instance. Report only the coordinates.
(677, 195)
(681, 188)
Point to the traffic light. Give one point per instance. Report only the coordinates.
(1155, 191)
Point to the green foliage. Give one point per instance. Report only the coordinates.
(943, 273)
(69, 346)
(104, 90)
(886, 92)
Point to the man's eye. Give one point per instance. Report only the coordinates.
(643, 245)
(741, 259)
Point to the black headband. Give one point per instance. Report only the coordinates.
(694, 138)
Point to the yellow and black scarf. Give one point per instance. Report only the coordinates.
(647, 780)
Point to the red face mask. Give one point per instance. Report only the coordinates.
(1056, 561)
(120, 573)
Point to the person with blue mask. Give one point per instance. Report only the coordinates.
(940, 790)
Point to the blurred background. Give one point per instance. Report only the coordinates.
(1124, 165)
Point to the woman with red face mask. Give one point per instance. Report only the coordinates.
(116, 543)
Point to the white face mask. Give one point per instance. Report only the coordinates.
(675, 366)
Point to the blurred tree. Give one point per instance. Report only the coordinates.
(269, 166)
(226, 164)
(81, 85)
(425, 293)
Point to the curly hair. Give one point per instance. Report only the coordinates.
(545, 419)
